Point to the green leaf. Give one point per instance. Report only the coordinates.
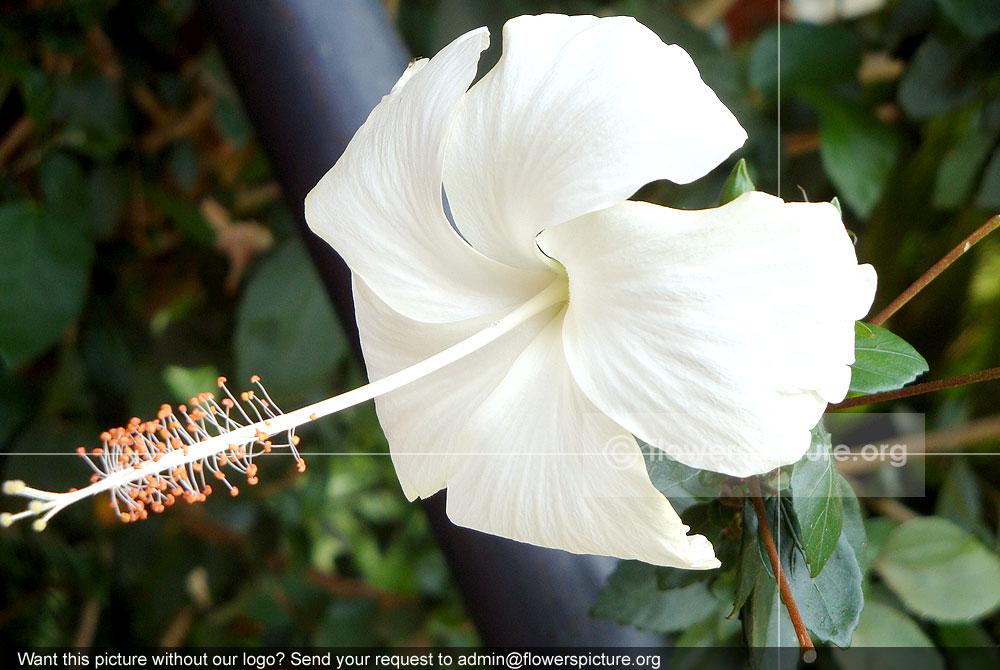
(15, 405)
(960, 500)
(853, 522)
(858, 151)
(944, 75)
(737, 183)
(684, 485)
(185, 383)
(769, 632)
(881, 627)
(882, 361)
(64, 188)
(750, 565)
(988, 197)
(877, 530)
(976, 18)
(183, 214)
(631, 597)
(93, 109)
(286, 331)
(816, 501)
(809, 54)
(44, 271)
(347, 622)
(831, 602)
(960, 168)
(939, 571)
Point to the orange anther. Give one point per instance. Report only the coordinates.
(295, 440)
(313, 417)
(301, 465)
(254, 379)
(252, 480)
(105, 436)
(219, 474)
(221, 381)
(234, 491)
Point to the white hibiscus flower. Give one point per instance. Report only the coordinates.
(580, 318)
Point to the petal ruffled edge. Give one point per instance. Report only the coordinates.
(380, 206)
(552, 470)
(718, 335)
(577, 115)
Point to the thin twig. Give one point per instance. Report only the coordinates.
(805, 642)
(89, 617)
(935, 270)
(891, 509)
(15, 137)
(960, 437)
(918, 389)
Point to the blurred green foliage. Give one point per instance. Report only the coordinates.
(145, 250)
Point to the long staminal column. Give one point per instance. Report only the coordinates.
(148, 465)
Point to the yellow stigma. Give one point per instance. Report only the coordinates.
(39, 525)
(6, 519)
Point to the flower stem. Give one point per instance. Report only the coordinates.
(918, 389)
(936, 269)
(805, 642)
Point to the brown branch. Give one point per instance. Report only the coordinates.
(89, 618)
(15, 137)
(345, 587)
(918, 389)
(805, 642)
(891, 509)
(936, 269)
(960, 437)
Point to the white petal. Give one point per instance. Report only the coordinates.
(577, 115)
(380, 206)
(552, 470)
(716, 335)
(421, 420)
